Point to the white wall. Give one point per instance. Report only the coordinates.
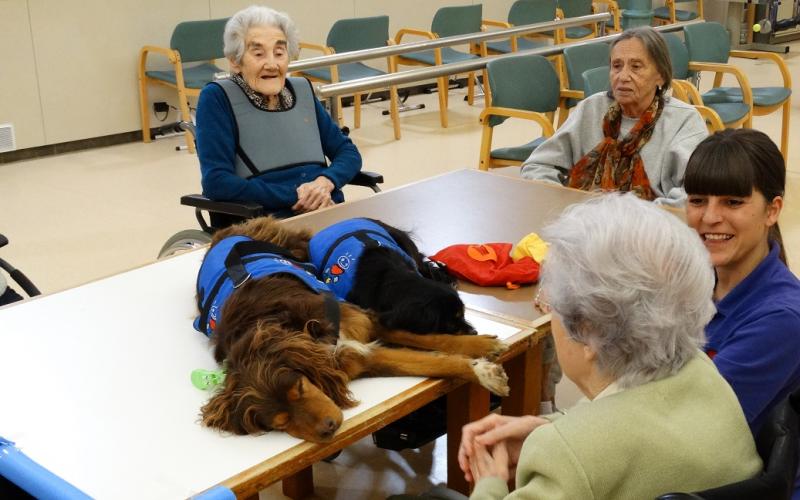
(69, 66)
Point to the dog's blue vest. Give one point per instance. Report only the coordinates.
(269, 140)
(231, 263)
(336, 250)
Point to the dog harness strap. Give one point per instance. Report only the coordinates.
(332, 311)
(234, 264)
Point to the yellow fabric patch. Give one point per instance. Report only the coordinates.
(530, 246)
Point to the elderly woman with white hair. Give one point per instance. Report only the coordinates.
(628, 312)
(263, 137)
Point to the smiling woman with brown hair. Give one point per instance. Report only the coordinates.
(633, 138)
(735, 181)
(263, 137)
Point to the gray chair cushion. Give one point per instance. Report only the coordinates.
(762, 96)
(347, 72)
(680, 15)
(729, 112)
(448, 56)
(504, 46)
(517, 153)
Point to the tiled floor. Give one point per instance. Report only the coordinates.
(78, 217)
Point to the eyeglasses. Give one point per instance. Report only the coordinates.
(540, 303)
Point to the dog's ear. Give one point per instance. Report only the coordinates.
(295, 392)
(220, 412)
(280, 421)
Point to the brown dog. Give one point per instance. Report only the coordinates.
(288, 367)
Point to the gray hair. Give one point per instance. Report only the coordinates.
(257, 15)
(633, 282)
(655, 46)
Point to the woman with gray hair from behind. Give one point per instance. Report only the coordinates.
(628, 312)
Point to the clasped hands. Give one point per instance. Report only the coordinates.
(491, 446)
(314, 195)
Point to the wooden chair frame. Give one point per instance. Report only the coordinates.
(688, 93)
(174, 57)
(765, 110)
(670, 4)
(441, 82)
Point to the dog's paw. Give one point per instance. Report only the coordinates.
(491, 376)
(484, 346)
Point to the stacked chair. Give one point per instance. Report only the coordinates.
(521, 13)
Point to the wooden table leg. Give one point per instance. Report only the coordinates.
(465, 404)
(299, 485)
(525, 376)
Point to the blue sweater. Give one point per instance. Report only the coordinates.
(754, 339)
(275, 190)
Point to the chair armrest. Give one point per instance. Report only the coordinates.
(313, 46)
(173, 56)
(571, 94)
(541, 119)
(368, 179)
(753, 54)
(411, 31)
(712, 119)
(744, 83)
(498, 24)
(240, 209)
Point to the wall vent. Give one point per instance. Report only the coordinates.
(7, 138)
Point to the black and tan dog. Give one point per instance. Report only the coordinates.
(289, 354)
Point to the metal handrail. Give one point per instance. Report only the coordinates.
(404, 48)
(418, 75)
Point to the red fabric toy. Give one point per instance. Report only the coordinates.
(489, 264)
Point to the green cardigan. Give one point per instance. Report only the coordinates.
(686, 432)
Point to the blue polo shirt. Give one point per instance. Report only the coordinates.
(754, 339)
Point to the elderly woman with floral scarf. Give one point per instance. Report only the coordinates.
(632, 138)
(263, 137)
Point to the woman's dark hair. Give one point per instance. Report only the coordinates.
(733, 162)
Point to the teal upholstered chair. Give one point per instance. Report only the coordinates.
(684, 89)
(524, 86)
(669, 14)
(577, 8)
(577, 60)
(709, 45)
(448, 21)
(197, 42)
(347, 35)
(596, 80)
(524, 12)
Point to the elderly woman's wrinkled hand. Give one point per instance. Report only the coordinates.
(491, 430)
(314, 195)
(490, 463)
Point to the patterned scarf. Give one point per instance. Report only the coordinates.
(259, 100)
(615, 165)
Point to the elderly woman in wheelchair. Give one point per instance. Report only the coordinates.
(262, 137)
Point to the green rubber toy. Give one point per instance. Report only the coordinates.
(207, 379)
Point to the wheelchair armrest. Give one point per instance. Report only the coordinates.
(4, 240)
(239, 209)
(368, 179)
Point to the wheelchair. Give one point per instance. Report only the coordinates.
(222, 214)
(8, 294)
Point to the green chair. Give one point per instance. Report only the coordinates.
(191, 42)
(669, 14)
(577, 60)
(347, 35)
(684, 89)
(577, 8)
(524, 86)
(709, 44)
(524, 12)
(448, 21)
(596, 80)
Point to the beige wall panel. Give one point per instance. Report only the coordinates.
(313, 18)
(19, 91)
(87, 51)
(416, 14)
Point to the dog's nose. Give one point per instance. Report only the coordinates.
(327, 427)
